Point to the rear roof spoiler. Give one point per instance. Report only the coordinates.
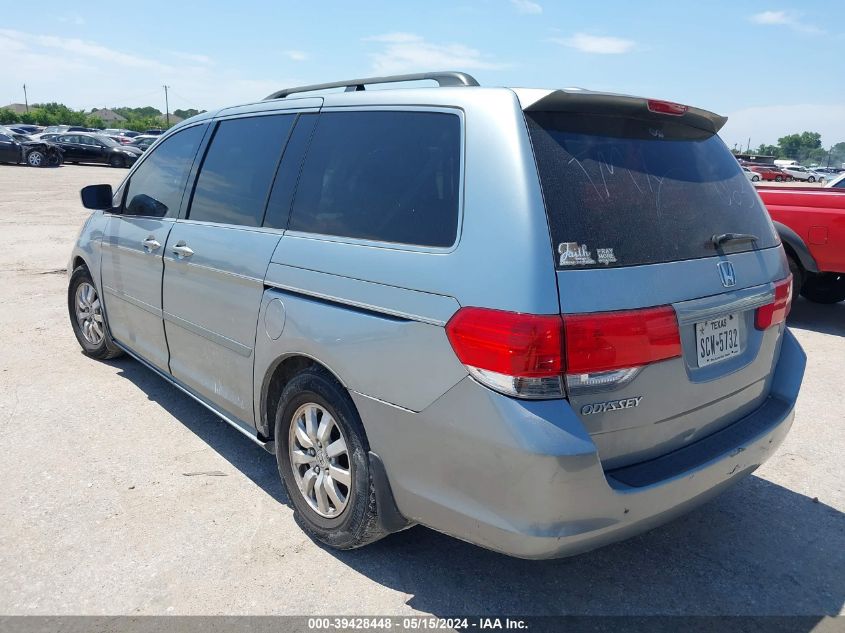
(607, 104)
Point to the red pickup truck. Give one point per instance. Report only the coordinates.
(811, 224)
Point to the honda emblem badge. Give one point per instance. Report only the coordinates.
(727, 274)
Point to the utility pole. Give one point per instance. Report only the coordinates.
(166, 106)
(25, 99)
(748, 147)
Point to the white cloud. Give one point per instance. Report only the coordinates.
(407, 52)
(297, 56)
(597, 44)
(79, 48)
(766, 124)
(785, 18)
(527, 6)
(84, 74)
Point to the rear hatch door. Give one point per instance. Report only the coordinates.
(647, 208)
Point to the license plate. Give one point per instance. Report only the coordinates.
(717, 339)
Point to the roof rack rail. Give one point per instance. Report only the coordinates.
(443, 79)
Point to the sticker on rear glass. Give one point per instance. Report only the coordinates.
(605, 256)
(574, 254)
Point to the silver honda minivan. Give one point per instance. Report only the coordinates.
(537, 320)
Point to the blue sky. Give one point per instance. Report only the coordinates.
(772, 67)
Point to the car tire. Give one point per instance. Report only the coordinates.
(313, 394)
(778, 179)
(755, 178)
(36, 158)
(798, 274)
(87, 317)
(811, 179)
(54, 160)
(824, 288)
(117, 161)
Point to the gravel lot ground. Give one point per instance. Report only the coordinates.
(98, 516)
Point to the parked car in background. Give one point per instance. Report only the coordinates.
(811, 225)
(753, 176)
(827, 173)
(62, 129)
(770, 172)
(113, 131)
(17, 129)
(143, 142)
(837, 183)
(123, 140)
(799, 172)
(96, 148)
(19, 148)
(25, 128)
(154, 132)
(317, 270)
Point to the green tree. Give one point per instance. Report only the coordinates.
(138, 113)
(768, 150)
(187, 114)
(7, 116)
(799, 146)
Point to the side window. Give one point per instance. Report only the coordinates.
(155, 188)
(382, 175)
(238, 170)
(278, 210)
(5, 139)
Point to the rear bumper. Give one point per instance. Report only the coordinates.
(524, 478)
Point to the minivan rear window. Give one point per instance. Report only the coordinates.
(625, 192)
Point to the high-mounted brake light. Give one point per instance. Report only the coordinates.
(530, 356)
(775, 312)
(666, 107)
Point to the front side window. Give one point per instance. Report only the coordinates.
(388, 176)
(238, 169)
(155, 188)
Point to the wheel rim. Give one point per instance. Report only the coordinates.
(319, 458)
(35, 159)
(89, 314)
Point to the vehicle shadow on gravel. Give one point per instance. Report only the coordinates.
(758, 549)
(247, 457)
(817, 317)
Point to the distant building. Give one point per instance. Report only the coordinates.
(17, 108)
(173, 119)
(107, 116)
(755, 158)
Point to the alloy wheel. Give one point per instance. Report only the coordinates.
(89, 313)
(319, 458)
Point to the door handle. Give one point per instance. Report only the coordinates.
(151, 244)
(182, 250)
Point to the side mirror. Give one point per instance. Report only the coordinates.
(97, 197)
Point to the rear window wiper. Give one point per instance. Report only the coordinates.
(724, 238)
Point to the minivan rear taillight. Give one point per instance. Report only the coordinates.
(514, 353)
(775, 312)
(529, 356)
